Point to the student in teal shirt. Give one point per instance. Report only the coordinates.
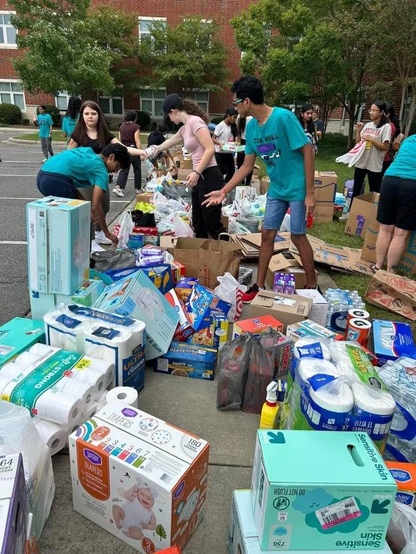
(71, 116)
(45, 123)
(71, 172)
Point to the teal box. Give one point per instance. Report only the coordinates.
(87, 294)
(242, 534)
(58, 244)
(188, 360)
(41, 303)
(320, 491)
(17, 335)
(136, 296)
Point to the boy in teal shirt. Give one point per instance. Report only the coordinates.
(68, 173)
(45, 123)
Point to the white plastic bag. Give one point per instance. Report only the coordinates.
(231, 291)
(123, 228)
(401, 534)
(18, 434)
(231, 210)
(182, 229)
(236, 228)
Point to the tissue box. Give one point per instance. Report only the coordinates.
(136, 296)
(58, 244)
(204, 303)
(123, 456)
(18, 335)
(13, 504)
(392, 339)
(326, 491)
(188, 360)
(405, 476)
(242, 534)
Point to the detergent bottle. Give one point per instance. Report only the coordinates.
(270, 407)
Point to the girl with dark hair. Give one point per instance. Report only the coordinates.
(377, 134)
(395, 131)
(226, 131)
(129, 135)
(205, 177)
(241, 138)
(70, 118)
(308, 126)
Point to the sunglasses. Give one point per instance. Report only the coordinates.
(238, 101)
(267, 157)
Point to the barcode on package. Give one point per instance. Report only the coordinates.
(163, 364)
(338, 513)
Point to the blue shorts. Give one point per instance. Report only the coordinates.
(55, 184)
(276, 211)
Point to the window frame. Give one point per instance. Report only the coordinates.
(151, 19)
(152, 99)
(6, 45)
(111, 99)
(12, 93)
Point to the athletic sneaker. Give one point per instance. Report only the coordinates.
(250, 294)
(118, 191)
(100, 238)
(44, 160)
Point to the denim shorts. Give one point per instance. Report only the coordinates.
(276, 211)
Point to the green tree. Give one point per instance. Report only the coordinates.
(187, 56)
(160, 531)
(67, 47)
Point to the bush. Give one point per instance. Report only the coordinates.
(143, 120)
(10, 114)
(25, 121)
(54, 113)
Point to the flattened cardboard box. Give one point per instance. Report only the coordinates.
(394, 293)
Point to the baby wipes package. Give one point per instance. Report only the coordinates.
(17, 335)
(405, 476)
(320, 491)
(138, 477)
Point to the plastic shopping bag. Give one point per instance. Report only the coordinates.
(401, 534)
(260, 374)
(123, 228)
(232, 366)
(231, 291)
(181, 228)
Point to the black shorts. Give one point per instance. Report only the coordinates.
(397, 203)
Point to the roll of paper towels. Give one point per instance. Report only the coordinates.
(126, 395)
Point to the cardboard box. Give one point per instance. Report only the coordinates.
(369, 247)
(17, 335)
(256, 325)
(394, 293)
(295, 508)
(407, 263)
(161, 276)
(405, 476)
(319, 307)
(136, 296)
(286, 262)
(184, 287)
(324, 212)
(184, 329)
(145, 197)
(58, 244)
(287, 308)
(183, 174)
(188, 360)
(242, 192)
(124, 456)
(325, 183)
(308, 328)
(242, 533)
(13, 504)
(363, 212)
(391, 340)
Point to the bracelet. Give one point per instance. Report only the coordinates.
(223, 189)
(198, 173)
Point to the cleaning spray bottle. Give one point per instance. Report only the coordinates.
(270, 407)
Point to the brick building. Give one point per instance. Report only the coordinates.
(11, 89)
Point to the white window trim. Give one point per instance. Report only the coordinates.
(145, 18)
(109, 97)
(63, 94)
(152, 99)
(6, 46)
(22, 92)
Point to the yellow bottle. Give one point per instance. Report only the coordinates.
(270, 407)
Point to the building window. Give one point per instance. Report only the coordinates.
(145, 28)
(11, 92)
(151, 101)
(112, 105)
(200, 97)
(61, 101)
(7, 31)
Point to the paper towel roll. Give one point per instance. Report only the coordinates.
(125, 395)
(336, 396)
(308, 367)
(301, 347)
(373, 400)
(53, 435)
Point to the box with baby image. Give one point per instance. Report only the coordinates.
(138, 477)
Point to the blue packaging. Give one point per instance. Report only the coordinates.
(392, 339)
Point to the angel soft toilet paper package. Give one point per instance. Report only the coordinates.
(138, 477)
(118, 340)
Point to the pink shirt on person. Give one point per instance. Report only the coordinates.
(196, 150)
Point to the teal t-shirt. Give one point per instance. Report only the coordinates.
(68, 125)
(83, 165)
(44, 122)
(278, 142)
(404, 164)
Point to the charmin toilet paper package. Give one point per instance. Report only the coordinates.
(138, 477)
(118, 340)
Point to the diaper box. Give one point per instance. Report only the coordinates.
(392, 339)
(256, 325)
(405, 476)
(242, 534)
(138, 477)
(136, 296)
(188, 360)
(17, 335)
(58, 244)
(321, 491)
(13, 504)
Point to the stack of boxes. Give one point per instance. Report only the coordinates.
(325, 188)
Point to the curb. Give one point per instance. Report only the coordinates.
(24, 141)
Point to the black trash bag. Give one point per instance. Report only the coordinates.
(141, 219)
(112, 259)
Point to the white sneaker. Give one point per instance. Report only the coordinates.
(95, 247)
(118, 191)
(100, 238)
(44, 160)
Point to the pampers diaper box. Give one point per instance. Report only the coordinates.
(320, 491)
(17, 335)
(242, 534)
(58, 244)
(138, 477)
(136, 296)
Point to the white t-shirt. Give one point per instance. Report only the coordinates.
(223, 133)
(372, 158)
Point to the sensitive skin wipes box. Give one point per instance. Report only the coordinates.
(138, 477)
(320, 491)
